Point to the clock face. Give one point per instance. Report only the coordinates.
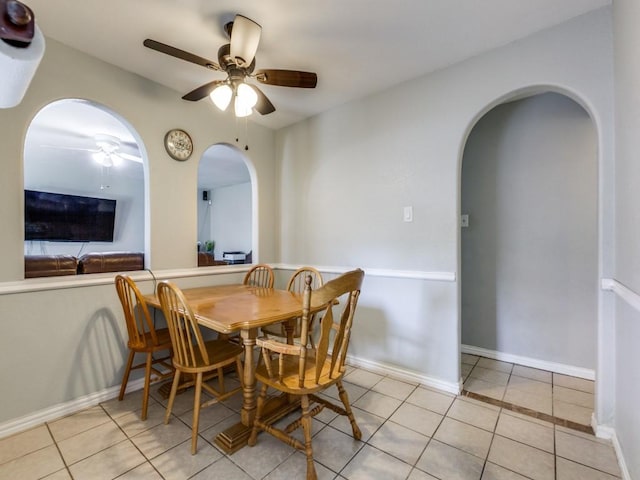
(178, 144)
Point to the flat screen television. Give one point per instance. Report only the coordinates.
(68, 218)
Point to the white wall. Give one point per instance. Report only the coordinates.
(231, 219)
(627, 246)
(530, 253)
(346, 175)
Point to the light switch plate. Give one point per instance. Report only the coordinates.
(407, 214)
(464, 220)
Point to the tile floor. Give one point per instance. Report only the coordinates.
(568, 400)
(409, 432)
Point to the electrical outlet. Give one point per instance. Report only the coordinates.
(464, 220)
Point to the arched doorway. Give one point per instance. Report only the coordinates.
(226, 205)
(529, 257)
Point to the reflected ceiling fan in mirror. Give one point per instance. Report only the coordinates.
(238, 60)
(107, 151)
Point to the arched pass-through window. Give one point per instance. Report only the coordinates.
(85, 156)
(226, 210)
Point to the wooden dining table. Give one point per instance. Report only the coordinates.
(242, 308)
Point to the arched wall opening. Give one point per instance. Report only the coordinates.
(82, 148)
(227, 205)
(529, 261)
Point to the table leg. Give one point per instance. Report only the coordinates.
(249, 390)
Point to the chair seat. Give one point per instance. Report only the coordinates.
(219, 352)
(291, 376)
(164, 341)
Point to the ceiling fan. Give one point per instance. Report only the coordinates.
(107, 151)
(238, 60)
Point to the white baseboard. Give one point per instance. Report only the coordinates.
(561, 368)
(406, 375)
(62, 409)
(609, 433)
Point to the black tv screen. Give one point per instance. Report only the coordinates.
(68, 218)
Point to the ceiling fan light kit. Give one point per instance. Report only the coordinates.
(238, 59)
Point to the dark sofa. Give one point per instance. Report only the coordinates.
(97, 262)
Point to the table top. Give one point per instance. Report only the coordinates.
(230, 308)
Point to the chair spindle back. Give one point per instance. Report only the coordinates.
(136, 312)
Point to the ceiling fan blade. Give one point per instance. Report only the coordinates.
(64, 147)
(181, 54)
(264, 105)
(201, 92)
(127, 156)
(287, 78)
(245, 36)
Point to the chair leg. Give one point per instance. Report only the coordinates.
(345, 401)
(261, 401)
(306, 428)
(147, 381)
(221, 379)
(125, 377)
(172, 395)
(196, 413)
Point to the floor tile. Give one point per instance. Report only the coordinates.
(574, 383)
(132, 424)
(568, 470)
(487, 389)
(209, 416)
(443, 461)
(78, 422)
(108, 463)
(33, 465)
(469, 359)
(264, 456)
(334, 449)
(367, 422)
(59, 475)
(399, 441)
(161, 438)
(223, 469)
(417, 419)
(89, 442)
(378, 404)
(474, 414)
(464, 437)
(371, 463)
(522, 459)
(496, 472)
(23, 443)
(495, 364)
(528, 400)
(576, 397)
(527, 432)
(529, 385)
(465, 370)
(574, 413)
(179, 464)
(363, 378)
(431, 400)
(132, 402)
(354, 392)
(394, 388)
(144, 471)
(417, 474)
(489, 375)
(587, 452)
(295, 467)
(533, 373)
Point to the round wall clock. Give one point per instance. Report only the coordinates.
(178, 144)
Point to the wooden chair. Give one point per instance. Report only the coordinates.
(260, 275)
(301, 371)
(296, 284)
(192, 355)
(143, 338)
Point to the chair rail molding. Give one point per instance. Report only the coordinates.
(628, 295)
(379, 272)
